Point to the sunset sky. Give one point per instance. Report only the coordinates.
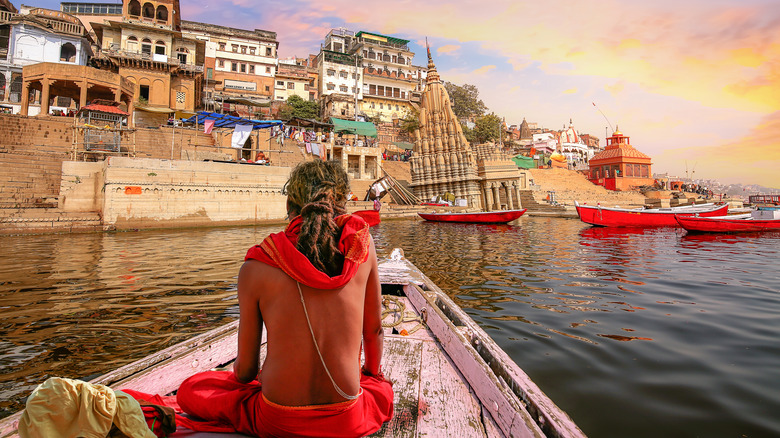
(693, 82)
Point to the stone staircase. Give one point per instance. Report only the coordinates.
(47, 220)
(569, 186)
(528, 199)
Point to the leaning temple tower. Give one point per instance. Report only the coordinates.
(443, 160)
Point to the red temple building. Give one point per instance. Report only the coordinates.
(619, 166)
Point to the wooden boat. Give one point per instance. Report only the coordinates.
(644, 217)
(741, 223)
(449, 376)
(481, 217)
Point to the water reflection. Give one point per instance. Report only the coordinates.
(616, 325)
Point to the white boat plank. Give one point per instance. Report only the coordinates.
(401, 364)
(448, 407)
(508, 412)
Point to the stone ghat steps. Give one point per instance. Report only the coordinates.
(29, 180)
(47, 220)
(528, 200)
(570, 186)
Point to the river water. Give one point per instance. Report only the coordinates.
(634, 333)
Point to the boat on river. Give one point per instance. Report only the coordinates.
(480, 217)
(759, 220)
(644, 217)
(448, 374)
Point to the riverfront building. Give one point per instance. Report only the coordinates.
(147, 47)
(620, 166)
(239, 67)
(483, 177)
(31, 36)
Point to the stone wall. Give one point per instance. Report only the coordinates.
(149, 193)
(32, 150)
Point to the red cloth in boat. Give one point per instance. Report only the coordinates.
(279, 250)
(220, 399)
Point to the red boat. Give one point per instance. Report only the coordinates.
(741, 223)
(644, 217)
(482, 217)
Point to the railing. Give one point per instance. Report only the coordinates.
(151, 57)
(383, 44)
(56, 25)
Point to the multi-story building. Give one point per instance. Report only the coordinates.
(240, 66)
(370, 70)
(389, 76)
(291, 79)
(148, 48)
(35, 35)
(340, 85)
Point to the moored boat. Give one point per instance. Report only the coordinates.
(760, 220)
(644, 217)
(482, 217)
(448, 374)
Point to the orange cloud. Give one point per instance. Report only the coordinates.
(448, 49)
(759, 151)
(483, 70)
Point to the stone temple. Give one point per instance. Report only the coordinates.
(444, 162)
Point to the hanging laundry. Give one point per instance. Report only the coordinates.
(308, 148)
(315, 148)
(240, 135)
(208, 125)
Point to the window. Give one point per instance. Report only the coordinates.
(381, 106)
(343, 88)
(267, 88)
(280, 83)
(243, 68)
(269, 51)
(134, 8)
(291, 85)
(343, 74)
(331, 86)
(159, 48)
(331, 72)
(252, 51)
(181, 97)
(146, 46)
(354, 90)
(222, 63)
(222, 46)
(181, 54)
(148, 10)
(252, 68)
(162, 13)
(143, 93)
(132, 44)
(243, 50)
(234, 47)
(268, 69)
(233, 66)
(396, 108)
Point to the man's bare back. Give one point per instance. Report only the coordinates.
(292, 373)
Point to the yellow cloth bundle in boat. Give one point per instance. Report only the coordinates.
(62, 407)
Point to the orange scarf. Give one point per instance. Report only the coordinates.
(278, 250)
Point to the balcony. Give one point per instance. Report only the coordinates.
(169, 60)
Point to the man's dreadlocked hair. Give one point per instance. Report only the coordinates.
(317, 190)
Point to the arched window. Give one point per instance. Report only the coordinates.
(159, 48)
(162, 13)
(134, 8)
(146, 46)
(132, 44)
(68, 52)
(148, 10)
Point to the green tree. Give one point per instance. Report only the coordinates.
(297, 107)
(487, 128)
(410, 121)
(465, 100)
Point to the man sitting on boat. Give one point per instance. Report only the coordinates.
(316, 287)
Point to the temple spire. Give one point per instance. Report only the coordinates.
(433, 75)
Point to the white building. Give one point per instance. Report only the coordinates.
(35, 35)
